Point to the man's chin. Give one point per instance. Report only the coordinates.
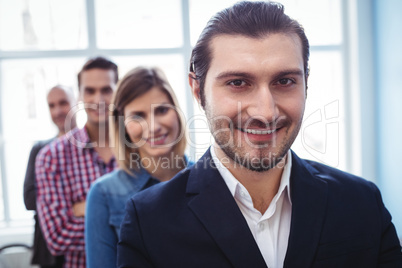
(258, 160)
(258, 164)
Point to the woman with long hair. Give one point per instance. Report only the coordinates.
(149, 137)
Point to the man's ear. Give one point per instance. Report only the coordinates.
(195, 86)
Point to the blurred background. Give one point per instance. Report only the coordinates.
(353, 113)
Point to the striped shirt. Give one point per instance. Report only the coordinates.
(65, 169)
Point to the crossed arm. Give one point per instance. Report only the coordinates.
(62, 230)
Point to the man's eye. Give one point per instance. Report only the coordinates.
(63, 103)
(89, 91)
(285, 81)
(107, 90)
(237, 83)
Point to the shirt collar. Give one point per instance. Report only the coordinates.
(84, 138)
(233, 184)
(79, 137)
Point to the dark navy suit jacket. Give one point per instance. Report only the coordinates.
(338, 220)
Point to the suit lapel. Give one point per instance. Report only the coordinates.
(215, 207)
(309, 202)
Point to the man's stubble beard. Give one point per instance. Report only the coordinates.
(266, 159)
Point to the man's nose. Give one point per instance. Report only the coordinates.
(58, 110)
(99, 98)
(262, 105)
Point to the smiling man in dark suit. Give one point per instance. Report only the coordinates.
(250, 201)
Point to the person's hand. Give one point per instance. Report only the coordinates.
(79, 209)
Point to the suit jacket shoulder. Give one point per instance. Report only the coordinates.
(341, 183)
(338, 220)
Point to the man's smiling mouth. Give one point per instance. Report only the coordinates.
(258, 132)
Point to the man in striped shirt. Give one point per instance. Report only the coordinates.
(66, 167)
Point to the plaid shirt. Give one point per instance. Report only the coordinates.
(65, 170)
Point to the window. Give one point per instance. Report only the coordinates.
(123, 24)
(45, 42)
(42, 25)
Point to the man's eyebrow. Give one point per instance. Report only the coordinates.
(229, 74)
(297, 72)
(278, 75)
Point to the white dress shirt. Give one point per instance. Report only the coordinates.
(270, 230)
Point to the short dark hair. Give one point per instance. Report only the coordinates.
(99, 63)
(250, 19)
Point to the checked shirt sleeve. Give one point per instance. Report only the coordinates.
(62, 230)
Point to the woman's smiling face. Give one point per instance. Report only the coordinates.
(152, 123)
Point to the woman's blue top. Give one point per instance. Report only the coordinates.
(105, 211)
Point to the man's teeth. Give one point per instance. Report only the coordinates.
(259, 132)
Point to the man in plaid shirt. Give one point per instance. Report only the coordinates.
(66, 167)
